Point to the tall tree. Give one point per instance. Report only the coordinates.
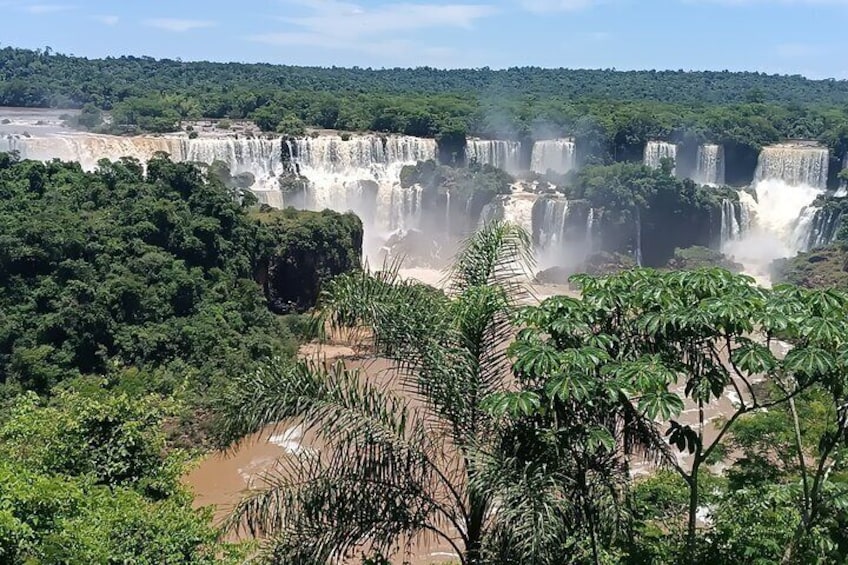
(400, 462)
(645, 345)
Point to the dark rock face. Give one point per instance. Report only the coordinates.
(309, 249)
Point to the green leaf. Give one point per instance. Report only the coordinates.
(600, 439)
(810, 362)
(662, 404)
(754, 358)
(570, 387)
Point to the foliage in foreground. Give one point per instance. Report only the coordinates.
(84, 478)
(629, 377)
(643, 347)
(397, 461)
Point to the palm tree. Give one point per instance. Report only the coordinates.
(400, 462)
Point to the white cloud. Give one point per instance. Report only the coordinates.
(107, 20)
(46, 8)
(179, 25)
(381, 29)
(543, 6)
(342, 19)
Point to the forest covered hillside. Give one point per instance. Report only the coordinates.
(49, 81)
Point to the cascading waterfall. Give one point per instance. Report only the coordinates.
(361, 174)
(737, 217)
(502, 154)
(709, 169)
(787, 181)
(263, 158)
(795, 165)
(551, 230)
(558, 155)
(817, 227)
(731, 228)
(272, 198)
(518, 209)
(334, 166)
(842, 191)
(656, 151)
(590, 231)
(447, 212)
(638, 253)
(88, 149)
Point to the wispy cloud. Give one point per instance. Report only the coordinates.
(39, 9)
(107, 20)
(544, 6)
(179, 25)
(381, 29)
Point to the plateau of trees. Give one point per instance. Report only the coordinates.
(127, 296)
(532, 453)
(639, 205)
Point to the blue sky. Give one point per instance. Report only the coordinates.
(777, 36)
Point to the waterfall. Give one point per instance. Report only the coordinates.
(656, 151)
(558, 155)
(272, 198)
(817, 227)
(787, 181)
(710, 167)
(842, 191)
(590, 231)
(361, 174)
(731, 227)
(88, 149)
(263, 158)
(447, 212)
(550, 231)
(334, 168)
(518, 209)
(504, 155)
(638, 253)
(795, 165)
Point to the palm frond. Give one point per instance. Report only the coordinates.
(318, 511)
(499, 254)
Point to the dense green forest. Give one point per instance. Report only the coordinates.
(127, 297)
(611, 113)
(54, 79)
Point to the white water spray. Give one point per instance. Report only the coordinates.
(709, 169)
(558, 155)
(787, 181)
(502, 154)
(656, 151)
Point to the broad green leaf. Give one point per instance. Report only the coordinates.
(662, 404)
(810, 362)
(754, 358)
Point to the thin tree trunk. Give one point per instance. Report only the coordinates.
(476, 515)
(691, 528)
